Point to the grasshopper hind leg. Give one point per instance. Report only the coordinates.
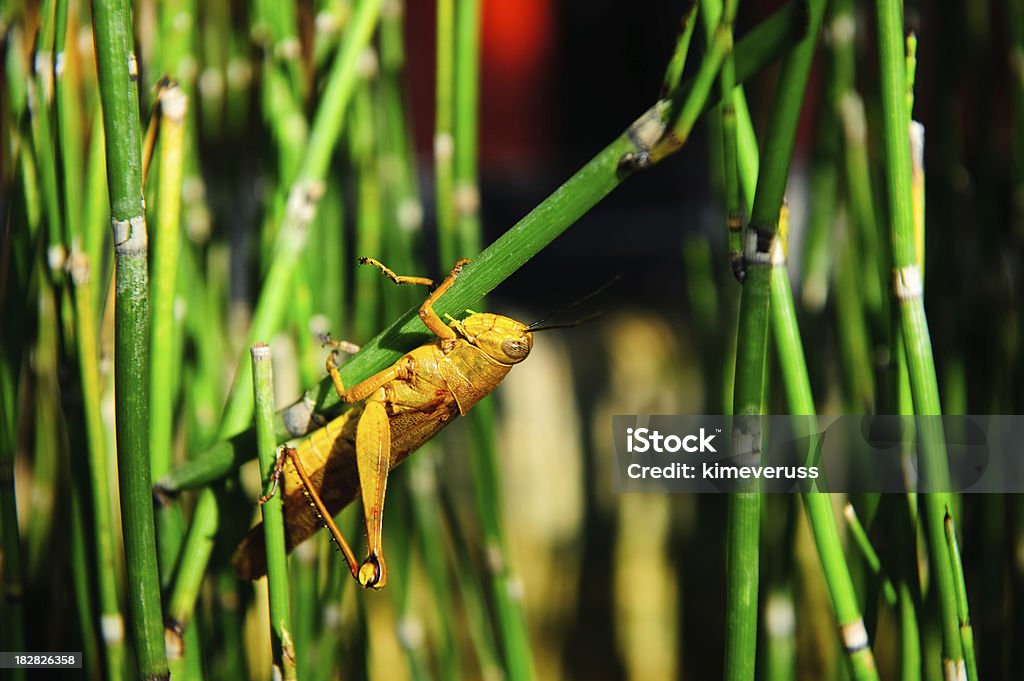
(318, 505)
(373, 458)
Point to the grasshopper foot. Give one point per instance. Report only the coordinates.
(372, 573)
(338, 345)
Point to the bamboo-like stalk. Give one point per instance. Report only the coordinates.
(761, 250)
(273, 518)
(118, 70)
(498, 261)
(908, 291)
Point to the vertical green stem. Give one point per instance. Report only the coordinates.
(760, 250)
(273, 519)
(908, 291)
(118, 71)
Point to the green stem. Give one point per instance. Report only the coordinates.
(867, 551)
(118, 70)
(173, 107)
(761, 252)
(674, 70)
(273, 518)
(908, 291)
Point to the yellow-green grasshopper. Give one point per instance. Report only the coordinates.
(393, 413)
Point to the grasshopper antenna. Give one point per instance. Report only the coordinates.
(584, 320)
(535, 326)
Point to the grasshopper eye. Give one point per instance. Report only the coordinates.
(516, 348)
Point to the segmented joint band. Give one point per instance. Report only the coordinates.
(916, 146)
(644, 133)
(367, 64)
(907, 283)
(173, 103)
(746, 441)
(112, 628)
(954, 670)
(411, 633)
(734, 221)
(303, 199)
(854, 636)
(174, 641)
(757, 246)
(778, 253)
(444, 146)
(78, 268)
(467, 199)
(410, 214)
(130, 236)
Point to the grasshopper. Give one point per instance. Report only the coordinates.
(393, 413)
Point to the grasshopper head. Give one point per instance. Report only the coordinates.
(503, 339)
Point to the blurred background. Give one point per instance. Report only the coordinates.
(597, 585)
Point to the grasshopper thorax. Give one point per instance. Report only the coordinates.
(503, 339)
